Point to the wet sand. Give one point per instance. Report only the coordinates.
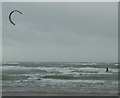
(32, 93)
(51, 87)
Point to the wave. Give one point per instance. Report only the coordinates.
(61, 70)
(80, 81)
(81, 77)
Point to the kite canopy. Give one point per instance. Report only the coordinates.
(11, 15)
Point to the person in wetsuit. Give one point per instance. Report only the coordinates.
(107, 69)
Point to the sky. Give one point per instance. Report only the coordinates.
(0, 32)
(0, 47)
(60, 0)
(60, 32)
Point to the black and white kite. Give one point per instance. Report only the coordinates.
(10, 19)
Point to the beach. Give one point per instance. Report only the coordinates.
(60, 79)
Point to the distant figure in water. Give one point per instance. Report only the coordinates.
(107, 69)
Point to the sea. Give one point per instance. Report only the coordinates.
(59, 78)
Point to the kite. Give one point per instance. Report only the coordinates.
(10, 19)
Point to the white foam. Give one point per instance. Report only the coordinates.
(14, 68)
(63, 81)
(9, 63)
(116, 64)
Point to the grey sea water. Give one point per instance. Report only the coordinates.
(59, 78)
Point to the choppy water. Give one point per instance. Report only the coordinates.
(60, 77)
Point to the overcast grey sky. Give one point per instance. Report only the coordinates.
(0, 32)
(63, 32)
